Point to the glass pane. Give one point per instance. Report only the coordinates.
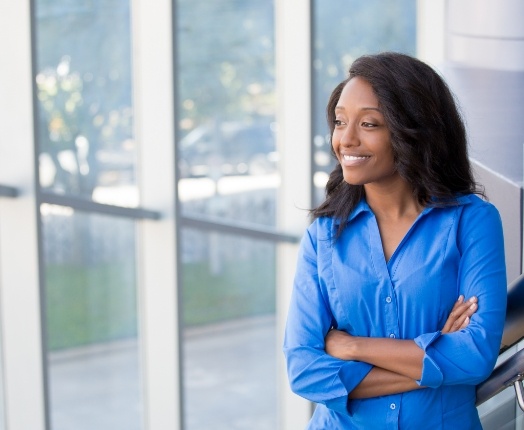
(344, 30)
(91, 321)
(84, 111)
(228, 332)
(227, 160)
(501, 412)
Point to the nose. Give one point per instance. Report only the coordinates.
(349, 136)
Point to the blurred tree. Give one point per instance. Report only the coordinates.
(225, 60)
(84, 90)
(347, 29)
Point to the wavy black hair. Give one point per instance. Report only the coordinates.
(428, 135)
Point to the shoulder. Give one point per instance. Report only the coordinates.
(473, 208)
(479, 222)
(465, 207)
(321, 229)
(315, 239)
(469, 216)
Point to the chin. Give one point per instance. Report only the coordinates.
(353, 181)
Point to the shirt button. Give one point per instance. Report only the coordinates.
(392, 335)
(392, 406)
(388, 299)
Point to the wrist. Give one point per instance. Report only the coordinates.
(352, 348)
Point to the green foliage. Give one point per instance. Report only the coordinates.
(225, 59)
(89, 304)
(347, 29)
(241, 289)
(83, 52)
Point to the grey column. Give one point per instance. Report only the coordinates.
(484, 64)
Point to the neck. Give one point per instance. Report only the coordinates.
(395, 200)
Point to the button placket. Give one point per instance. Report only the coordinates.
(391, 313)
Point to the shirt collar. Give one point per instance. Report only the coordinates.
(362, 206)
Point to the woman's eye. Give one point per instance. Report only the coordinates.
(368, 124)
(338, 122)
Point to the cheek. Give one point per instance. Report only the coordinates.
(389, 154)
(334, 143)
(391, 158)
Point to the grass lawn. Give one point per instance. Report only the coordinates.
(86, 305)
(242, 288)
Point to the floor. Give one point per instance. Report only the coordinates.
(229, 381)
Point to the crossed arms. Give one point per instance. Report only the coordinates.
(397, 363)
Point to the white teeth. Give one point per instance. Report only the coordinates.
(353, 157)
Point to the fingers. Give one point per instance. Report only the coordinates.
(465, 323)
(455, 312)
(459, 318)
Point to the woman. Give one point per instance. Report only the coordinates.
(399, 298)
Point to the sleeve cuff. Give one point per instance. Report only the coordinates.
(431, 374)
(340, 405)
(351, 374)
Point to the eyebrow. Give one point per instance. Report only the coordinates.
(364, 108)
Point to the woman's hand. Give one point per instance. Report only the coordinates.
(460, 314)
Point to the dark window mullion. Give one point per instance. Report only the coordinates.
(6, 191)
(101, 208)
(237, 227)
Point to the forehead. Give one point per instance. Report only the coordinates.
(357, 92)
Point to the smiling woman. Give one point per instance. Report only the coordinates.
(401, 274)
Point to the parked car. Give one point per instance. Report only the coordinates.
(228, 148)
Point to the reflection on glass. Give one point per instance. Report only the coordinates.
(498, 413)
(83, 84)
(91, 321)
(228, 332)
(226, 104)
(344, 30)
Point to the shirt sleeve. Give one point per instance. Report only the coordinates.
(313, 374)
(469, 355)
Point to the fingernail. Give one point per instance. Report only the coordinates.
(461, 297)
(473, 306)
(473, 299)
(466, 320)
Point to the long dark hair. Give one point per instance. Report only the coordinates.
(428, 135)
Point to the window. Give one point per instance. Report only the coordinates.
(229, 376)
(87, 156)
(85, 113)
(226, 155)
(91, 320)
(227, 164)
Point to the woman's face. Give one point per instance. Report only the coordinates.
(361, 140)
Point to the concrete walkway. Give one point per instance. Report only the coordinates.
(229, 381)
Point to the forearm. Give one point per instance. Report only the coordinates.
(382, 382)
(399, 356)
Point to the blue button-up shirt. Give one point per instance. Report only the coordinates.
(346, 283)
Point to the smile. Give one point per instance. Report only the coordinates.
(354, 157)
(354, 160)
